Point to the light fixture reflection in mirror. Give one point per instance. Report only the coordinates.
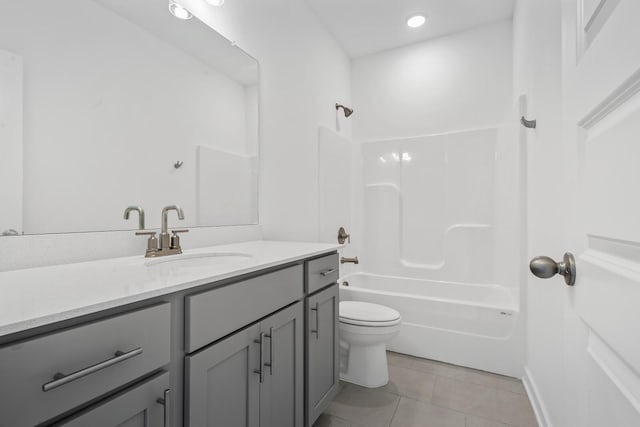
(215, 2)
(179, 11)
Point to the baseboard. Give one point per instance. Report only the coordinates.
(542, 415)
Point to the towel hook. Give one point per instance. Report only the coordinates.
(531, 124)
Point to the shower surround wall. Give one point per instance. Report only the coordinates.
(429, 204)
(437, 212)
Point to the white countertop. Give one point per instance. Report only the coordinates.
(40, 296)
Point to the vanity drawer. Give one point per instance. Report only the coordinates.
(322, 272)
(214, 314)
(111, 352)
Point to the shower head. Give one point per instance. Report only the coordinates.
(347, 111)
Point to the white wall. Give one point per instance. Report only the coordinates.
(303, 74)
(457, 82)
(11, 106)
(538, 73)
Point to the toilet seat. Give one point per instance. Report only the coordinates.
(360, 313)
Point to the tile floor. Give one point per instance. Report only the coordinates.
(425, 393)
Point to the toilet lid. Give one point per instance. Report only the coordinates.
(367, 314)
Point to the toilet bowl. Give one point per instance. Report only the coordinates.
(365, 329)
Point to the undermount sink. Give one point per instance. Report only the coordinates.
(199, 260)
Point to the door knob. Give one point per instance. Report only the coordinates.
(545, 268)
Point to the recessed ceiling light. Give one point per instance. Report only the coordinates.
(215, 2)
(179, 11)
(416, 21)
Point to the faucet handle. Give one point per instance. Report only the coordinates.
(152, 243)
(175, 239)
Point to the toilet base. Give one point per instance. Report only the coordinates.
(364, 365)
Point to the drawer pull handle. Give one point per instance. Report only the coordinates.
(60, 379)
(328, 272)
(166, 402)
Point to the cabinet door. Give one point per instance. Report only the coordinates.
(221, 387)
(135, 407)
(281, 392)
(323, 370)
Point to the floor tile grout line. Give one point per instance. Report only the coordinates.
(430, 400)
(455, 367)
(463, 380)
(466, 414)
(395, 411)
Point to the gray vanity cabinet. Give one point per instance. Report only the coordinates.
(252, 378)
(48, 375)
(323, 373)
(139, 406)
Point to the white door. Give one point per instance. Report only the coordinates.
(600, 152)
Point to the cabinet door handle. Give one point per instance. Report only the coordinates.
(60, 379)
(270, 364)
(328, 272)
(261, 370)
(166, 402)
(317, 329)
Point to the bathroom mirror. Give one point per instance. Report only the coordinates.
(106, 104)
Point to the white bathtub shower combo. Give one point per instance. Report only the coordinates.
(440, 244)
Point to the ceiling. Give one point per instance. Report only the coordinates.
(363, 27)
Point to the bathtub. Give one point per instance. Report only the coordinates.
(471, 325)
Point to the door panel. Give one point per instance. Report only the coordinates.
(281, 393)
(222, 389)
(136, 407)
(602, 105)
(323, 368)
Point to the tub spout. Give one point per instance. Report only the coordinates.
(344, 260)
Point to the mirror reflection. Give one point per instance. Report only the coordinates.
(106, 104)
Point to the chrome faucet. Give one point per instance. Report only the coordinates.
(140, 211)
(165, 240)
(166, 245)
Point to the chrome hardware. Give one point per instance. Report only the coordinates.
(10, 232)
(260, 371)
(317, 329)
(347, 111)
(165, 240)
(328, 272)
(166, 402)
(178, 164)
(152, 243)
(530, 124)
(166, 244)
(140, 211)
(545, 268)
(344, 260)
(175, 239)
(60, 379)
(342, 236)
(270, 364)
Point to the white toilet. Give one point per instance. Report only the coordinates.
(365, 329)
